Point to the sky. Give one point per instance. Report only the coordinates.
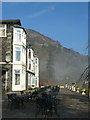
(66, 22)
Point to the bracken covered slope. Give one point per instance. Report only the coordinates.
(57, 63)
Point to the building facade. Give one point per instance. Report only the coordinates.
(19, 59)
(36, 64)
(15, 62)
(32, 69)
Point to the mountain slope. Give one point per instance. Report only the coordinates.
(57, 63)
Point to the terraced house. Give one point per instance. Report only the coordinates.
(32, 69)
(18, 70)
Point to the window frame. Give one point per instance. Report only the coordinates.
(16, 35)
(19, 35)
(16, 53)
(16, 81)
(29, 54)
(3, 28)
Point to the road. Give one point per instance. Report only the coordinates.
(72, 105)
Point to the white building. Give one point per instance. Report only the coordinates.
(13, 38)
(19, 59)
(16, 58)
(32, 69)
(36, 63)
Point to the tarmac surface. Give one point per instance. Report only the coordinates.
(71, 105)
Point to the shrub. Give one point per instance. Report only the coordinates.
(87, 91)
(29, 88)
(80, 90)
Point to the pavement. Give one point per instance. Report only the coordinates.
(72, 105)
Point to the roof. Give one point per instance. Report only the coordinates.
(18, 26)
(11, 21)
(14, 22)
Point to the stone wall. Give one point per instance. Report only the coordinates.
(7, 51)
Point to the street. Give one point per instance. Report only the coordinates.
(71, 105)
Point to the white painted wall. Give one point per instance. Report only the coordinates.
(36, 61)
(34, 68)
(22, 85)
(29, 79)
(19, 65)
(23, 36)
(33, 81)
(31, 59)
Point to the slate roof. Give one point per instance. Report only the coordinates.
(11, 21)
(14, 22)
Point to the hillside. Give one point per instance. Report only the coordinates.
(57, 63)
